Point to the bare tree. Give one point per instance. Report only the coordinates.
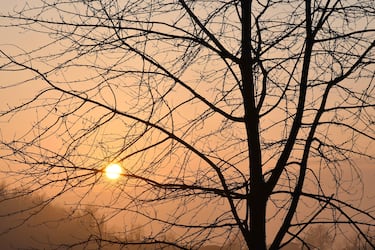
(318, 237)
(226, 116)
(24, 225)
(356, 242)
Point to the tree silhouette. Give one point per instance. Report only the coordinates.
(318, 237)
(227, 116)
(356, 242)
(24, 225)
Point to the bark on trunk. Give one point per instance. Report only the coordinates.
(258, 203)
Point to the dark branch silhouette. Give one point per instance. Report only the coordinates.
(237, 123)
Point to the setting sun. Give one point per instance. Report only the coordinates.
(113, 171)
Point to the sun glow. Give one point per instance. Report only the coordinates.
(113, 171)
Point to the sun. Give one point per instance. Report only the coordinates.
(113, 171)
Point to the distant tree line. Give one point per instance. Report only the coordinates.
(255, 113)
(26, 223)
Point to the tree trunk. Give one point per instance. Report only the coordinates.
(257, 208)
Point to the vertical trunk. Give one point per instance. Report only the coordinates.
(256, 202)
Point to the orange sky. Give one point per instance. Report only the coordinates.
(103, 194)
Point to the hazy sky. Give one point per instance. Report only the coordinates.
(15, 41)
